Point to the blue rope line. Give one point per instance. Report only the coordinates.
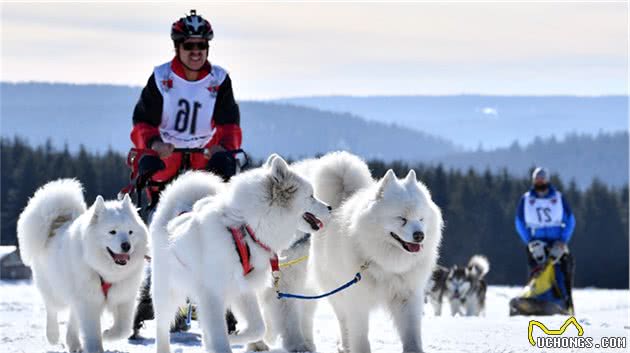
(189, 315)
(356, 279)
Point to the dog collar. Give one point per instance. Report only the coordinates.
(238, 234)
(105, 286)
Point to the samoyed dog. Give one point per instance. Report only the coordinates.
(84, 259)
(388, 230)
(221, 253)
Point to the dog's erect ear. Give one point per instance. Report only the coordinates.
(279, 169)
(97, 208)
(385, 183)
(410, 179)
(270, 159)
(452, 271)
(129, 206)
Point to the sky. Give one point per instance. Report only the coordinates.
(282, 49)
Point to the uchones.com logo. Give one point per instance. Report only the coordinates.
(555, 338)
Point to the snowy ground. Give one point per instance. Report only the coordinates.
(600, 312)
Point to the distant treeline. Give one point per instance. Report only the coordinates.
(478, 209)
(577, 157)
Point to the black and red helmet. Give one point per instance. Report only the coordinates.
(191, 26)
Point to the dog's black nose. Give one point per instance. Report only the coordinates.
(329, 208)
(125, 246)
(418, 236)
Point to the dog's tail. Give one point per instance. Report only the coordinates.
(479, 265)
(179, 197)
(53, 205)
(338, 176)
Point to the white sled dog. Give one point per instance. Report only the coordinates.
(197, 254)
(392, 226)
(84, 259)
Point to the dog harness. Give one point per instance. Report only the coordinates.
(105, 286)
(239, 234)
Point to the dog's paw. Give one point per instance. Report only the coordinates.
(295, 347)
(114, 333)
(259, 346)
(301, 348)
(75, 348)
(52, 334)
(73, 343)
(340, 348)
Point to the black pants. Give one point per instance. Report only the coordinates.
(567, 266)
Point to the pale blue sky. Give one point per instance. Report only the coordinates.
(294, 49)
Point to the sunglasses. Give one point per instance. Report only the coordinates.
(195, 45)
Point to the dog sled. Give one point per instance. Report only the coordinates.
(544, 294)
(145, 163)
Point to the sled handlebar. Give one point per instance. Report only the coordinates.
(190, 150)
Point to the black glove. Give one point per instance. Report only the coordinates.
(223, 164)
(147, 166)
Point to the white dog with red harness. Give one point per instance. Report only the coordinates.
(222, 252)
(83, 259)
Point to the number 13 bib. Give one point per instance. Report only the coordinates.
(188, 106)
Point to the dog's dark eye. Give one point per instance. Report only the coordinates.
(130, 232)
(404, 220)
(421, 219)
(112, 232)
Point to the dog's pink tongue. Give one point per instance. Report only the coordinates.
(413, 247)
(121, 257)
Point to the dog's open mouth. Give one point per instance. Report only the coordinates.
(119, 259)
(313, 221)
(410, 247)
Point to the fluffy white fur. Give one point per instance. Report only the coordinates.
(288, 319)
(68, 248)
(335, 177)
(194, 254)
(479, 266)
(365, 214)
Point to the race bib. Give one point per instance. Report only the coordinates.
(546, 212)
(188, 107)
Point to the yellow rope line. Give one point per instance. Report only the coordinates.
(293, 262)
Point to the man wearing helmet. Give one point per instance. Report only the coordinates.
(545, 223)
(188, 103)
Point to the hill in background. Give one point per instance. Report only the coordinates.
(487, 121)
(99, 117)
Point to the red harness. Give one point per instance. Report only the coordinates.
(238, 234)
(105, 286)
